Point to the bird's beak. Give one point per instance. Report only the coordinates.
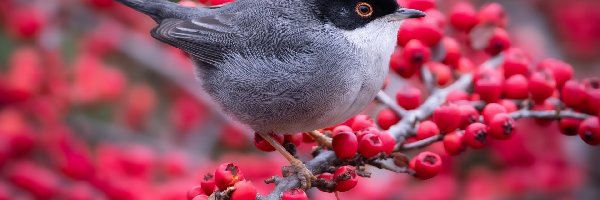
(405, 13)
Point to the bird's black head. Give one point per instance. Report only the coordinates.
(352, 14)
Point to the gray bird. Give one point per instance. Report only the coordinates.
(285, 66)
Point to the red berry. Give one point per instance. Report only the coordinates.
(195, 191)
(422, 5)
(476, 135)
(427, 165)
(425, 31)
(502, 126)
(573, 94)
(463, 16)
(244, 190)
(26, 22)
(409, 98)
(561, 71)
(468, 115)
(457, 95)
(441, 73)
(345, 145)
(465, 65)
(436, 17)
(326, 177)
(370, 145)
(492, 14)
(295, 138)
(491, 110)
(306, 138)
(541, 86)
(388, 142)
(592, 87)
(263, 145)
(427, 129)
(509, 105)
(516, 87)
(341, 129)
(569, 126)
(227, 175)
(208, 184)
(416, 53)
(346, 179)
(453, 143)
(516, 62)
(401, 66)
(589, 131)
(452, 52)
(489, 88)
(498, 42)
(447, 118)
(371, 130)
(387, 118)
(361, 122)
(294, 194)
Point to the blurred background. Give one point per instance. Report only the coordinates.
(92, 107)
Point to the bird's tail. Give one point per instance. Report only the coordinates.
(159, 9)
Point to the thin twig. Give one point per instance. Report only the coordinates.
(548, 114)
(422, 143)
(388, 101)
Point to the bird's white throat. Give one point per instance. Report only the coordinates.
(377, 38)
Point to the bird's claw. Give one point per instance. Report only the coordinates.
(305, 176)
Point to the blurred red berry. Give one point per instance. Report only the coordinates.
(502, 126)
(452, 52)
(516, 62)
(402, 66)
(498, 42)
(244, 190)
(361, 122)
(346, 178)
(589, 131)
(569, 126)
(26, 22)
(447, 118)
(441, 73)
(463, 16)
(201, 197)
(426, 129)
(516, 87)
(416, 53)
(457, 95)
(409, 97)
(573, 94)
(226, 175)
(388, 142)
(425, 31)
(541, 86)
(295, 139)
(195, 191)
(489, 88)
(492, 14)
(491, 110)
(468, 115)
(387, 118)
(561, 71)
(592, 87)
(476, 135)
(453, 143)
(422, 5)
(264, 145)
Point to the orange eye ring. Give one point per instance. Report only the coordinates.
(364, 9)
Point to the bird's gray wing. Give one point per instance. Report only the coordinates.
(206, 38)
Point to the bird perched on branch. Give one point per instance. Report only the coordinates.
(285, 66)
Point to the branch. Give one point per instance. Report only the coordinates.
(422, 143)
(388, 101)
(548, 114)
(428, 79)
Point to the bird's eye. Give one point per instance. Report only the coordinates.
(364, 9)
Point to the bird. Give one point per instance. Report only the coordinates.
(285, 66)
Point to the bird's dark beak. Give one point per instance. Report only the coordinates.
(405, 13)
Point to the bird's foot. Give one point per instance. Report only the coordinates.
(305, 176)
